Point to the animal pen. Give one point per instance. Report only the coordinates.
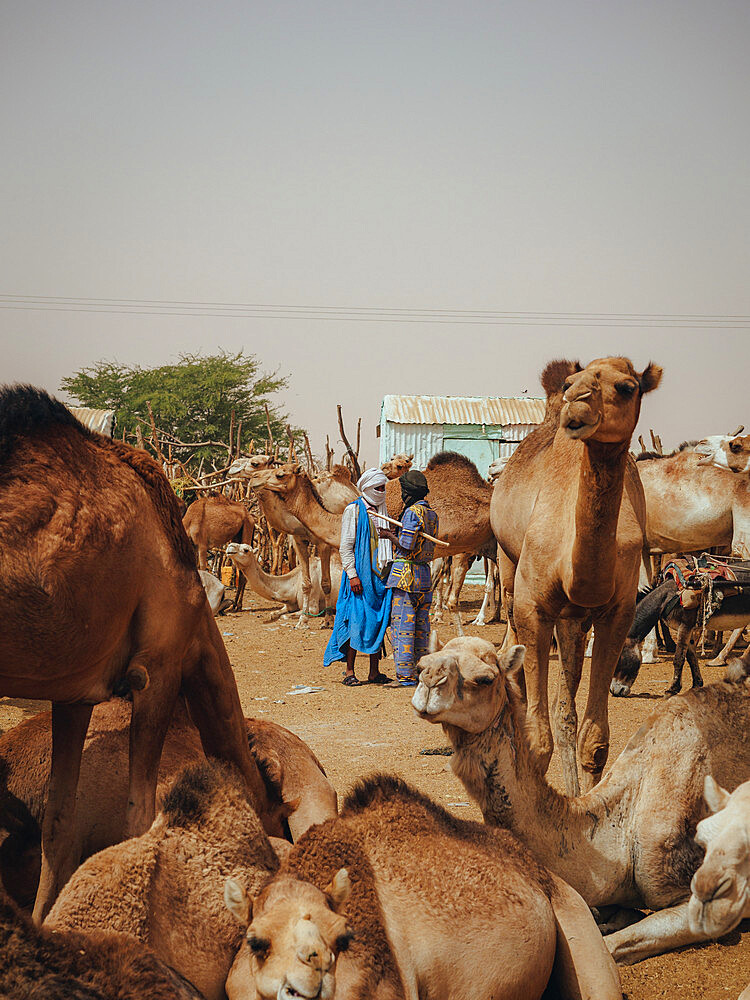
(483, 428)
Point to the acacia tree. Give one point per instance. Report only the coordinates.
(192, 401)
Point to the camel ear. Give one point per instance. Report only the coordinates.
(434, 645)
(339, 888)
(716, 797)
(650, 378)
(511, 661)
(238, 902)
(410, 458)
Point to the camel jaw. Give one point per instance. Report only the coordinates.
(427, 701)
(576, 429)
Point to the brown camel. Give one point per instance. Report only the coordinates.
(100, 594)
(398, 899)
(298, 791)
(211, 522)
(397, 465)
(569, 516)
(165, 888)
(629, 842)
(76, 966)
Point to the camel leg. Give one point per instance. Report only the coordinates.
(507, 572)
(695, 670)
(202, 555)
(593, 738)
(325, 584)
(659, 932)
(723, 656)
(571, 642)
(684, 634)
(488, 611)
(240, 592)
(303, 557)
(69, 726)
(535, 633)
(438, 568)
(458, 575)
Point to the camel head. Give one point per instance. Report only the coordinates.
(243, 468)
(242, 554)
(496, 467)
(721, 886)
(464, 684)
(294, 935)
(397, 465)
(602, 402)
(281, 479)
(731, 453)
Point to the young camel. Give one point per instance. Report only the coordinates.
(100, 594)
(298, 790)
(211, 522)
(629, 842)
(77, 966)
(398, 899)
(165, 888)
(569, 515)
(288, 588)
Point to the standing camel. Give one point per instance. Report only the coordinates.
(211, 522)
(569, 515)
(100, 595)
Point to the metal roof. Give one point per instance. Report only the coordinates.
(497, 410)
(96, 420)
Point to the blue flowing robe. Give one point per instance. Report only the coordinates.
(361, 619)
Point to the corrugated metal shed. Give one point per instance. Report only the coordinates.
(102, 421)
(463, 410)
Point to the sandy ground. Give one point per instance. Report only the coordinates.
(355, 731)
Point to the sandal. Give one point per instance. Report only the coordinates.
(378, 679)
(351, 681)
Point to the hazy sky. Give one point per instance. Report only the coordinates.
(575, 174)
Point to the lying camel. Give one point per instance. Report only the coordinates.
(288, 588)
(629, 841)
(720, 890)
(398, 899)
(76, 966)
(91, 534)
(298, 791)
(165, 888)
(211, 522)
(215, 591)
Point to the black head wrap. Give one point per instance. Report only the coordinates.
(413, 488)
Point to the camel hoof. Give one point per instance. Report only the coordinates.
(671, 690)
(717, 662)
(619, 690)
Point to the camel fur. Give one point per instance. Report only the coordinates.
(298, 791)
(569, 515)
(629, 842)
(165, 888)
(397, 465)
(211, 522)
(100, 595)
(80, 966)
(399, 899)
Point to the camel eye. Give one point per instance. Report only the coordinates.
(260, 947)
(567, 384)
(483, 680)
(735, 446)
(625, 388)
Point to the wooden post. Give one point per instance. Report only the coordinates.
(353, 458)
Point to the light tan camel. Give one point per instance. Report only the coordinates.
(569, 515)
(397, 465)
(726, 452)
(165, 888)
(629, 841)
(100, 594)
(298, 791)
(398, 899)
(76, 966)
(288, 588)
(211, 522)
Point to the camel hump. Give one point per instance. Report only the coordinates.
(190, 798)
(26, 411)
(555, 373)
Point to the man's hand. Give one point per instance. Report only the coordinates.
(387, 533)
(356, 585)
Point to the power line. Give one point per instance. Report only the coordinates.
(278, 311)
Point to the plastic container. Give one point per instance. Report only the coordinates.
(227, 572)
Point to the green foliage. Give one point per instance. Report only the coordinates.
(192, 401)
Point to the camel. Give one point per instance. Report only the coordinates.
(397, 898)
(76, 966)
(165, 888)
(397, 465)
(724, 452)
(458, 494)
(100, 594)
(335, 490)
(569, 515)
(211, 522)
(629, 841)
(680, 610)
(298, 790)
(288, 588)
(720, 890)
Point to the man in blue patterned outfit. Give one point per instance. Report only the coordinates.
(410, 578)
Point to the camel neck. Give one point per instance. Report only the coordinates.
(275, 588)
(306, 507)
(601, 479)
(499, 773)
